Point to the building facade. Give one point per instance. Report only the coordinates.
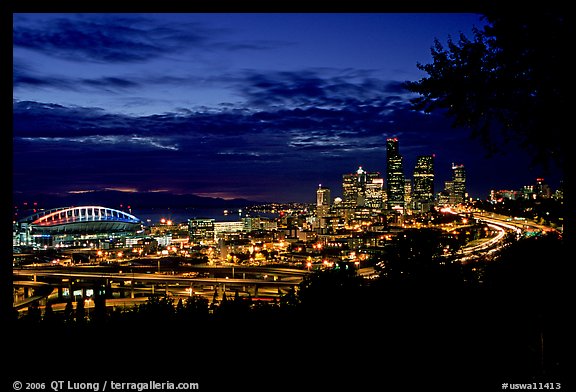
(458, 184)
(423, 189)
(394, 175)
(322, 206)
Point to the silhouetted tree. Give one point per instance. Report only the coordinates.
(509, 82)
(234, 310)
(50, 317)
(530, 289)
(80, 313)
(69, 312)
(330, 291)
(99, 313)
(290, 300)
(157, 309)
(422, 257)
(179, 306)
(13, 315)
(34, 314)
(196, 308)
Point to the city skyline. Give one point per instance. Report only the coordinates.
(256, 106)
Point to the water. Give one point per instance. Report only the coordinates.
(153, 216)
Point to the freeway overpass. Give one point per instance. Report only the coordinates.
(250, 270)
(40, 291)
(150, 283)
(145, 278)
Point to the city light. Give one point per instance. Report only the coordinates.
(256, 201)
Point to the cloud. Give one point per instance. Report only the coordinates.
(110, 82)
(257, 45)
(109, 141)
(228, 135)
(34, 80)
(120, 39)
(26, 76)
(323, 88)
(110, 39)
(302, 127)
(22, 77)
(316, 126)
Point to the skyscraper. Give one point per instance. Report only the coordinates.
(542, 189)
(362, 189)
(322, 196)
(351, 185)
(423, 190)
(374, 194)
(458, 184)
(322, 205)
(394, 174)
(407, 195)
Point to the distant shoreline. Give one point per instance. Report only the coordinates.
(181, 215)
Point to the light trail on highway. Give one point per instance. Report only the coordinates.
(494, 244)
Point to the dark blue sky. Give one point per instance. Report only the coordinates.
(259, 106)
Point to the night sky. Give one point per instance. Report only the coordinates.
(236, 105)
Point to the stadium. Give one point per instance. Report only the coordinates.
(68, 224)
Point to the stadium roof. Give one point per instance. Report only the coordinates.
(82, 219)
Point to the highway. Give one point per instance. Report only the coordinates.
(274, 283)
(41, 290)
(500, 223)
(249, 269)
(514, 223)
(144, 277)
(473, 251)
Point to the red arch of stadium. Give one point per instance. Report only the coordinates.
(82, 217)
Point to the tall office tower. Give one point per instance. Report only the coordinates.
(542, 189)
(407, 195)
(359, 186)
(322, 196)
(423, 191)
(349, 190)
(374, 193)
(394, 174)
(458, 184)
(322, 206)
(352, 188)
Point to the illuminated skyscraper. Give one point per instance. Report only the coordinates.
(374, 194)
(542, 189)
(423, 190)
(407, 195)
(322, 206)
(394, 174)
(362, 189)
(458, 184)
(322, 196)
(352, 187)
